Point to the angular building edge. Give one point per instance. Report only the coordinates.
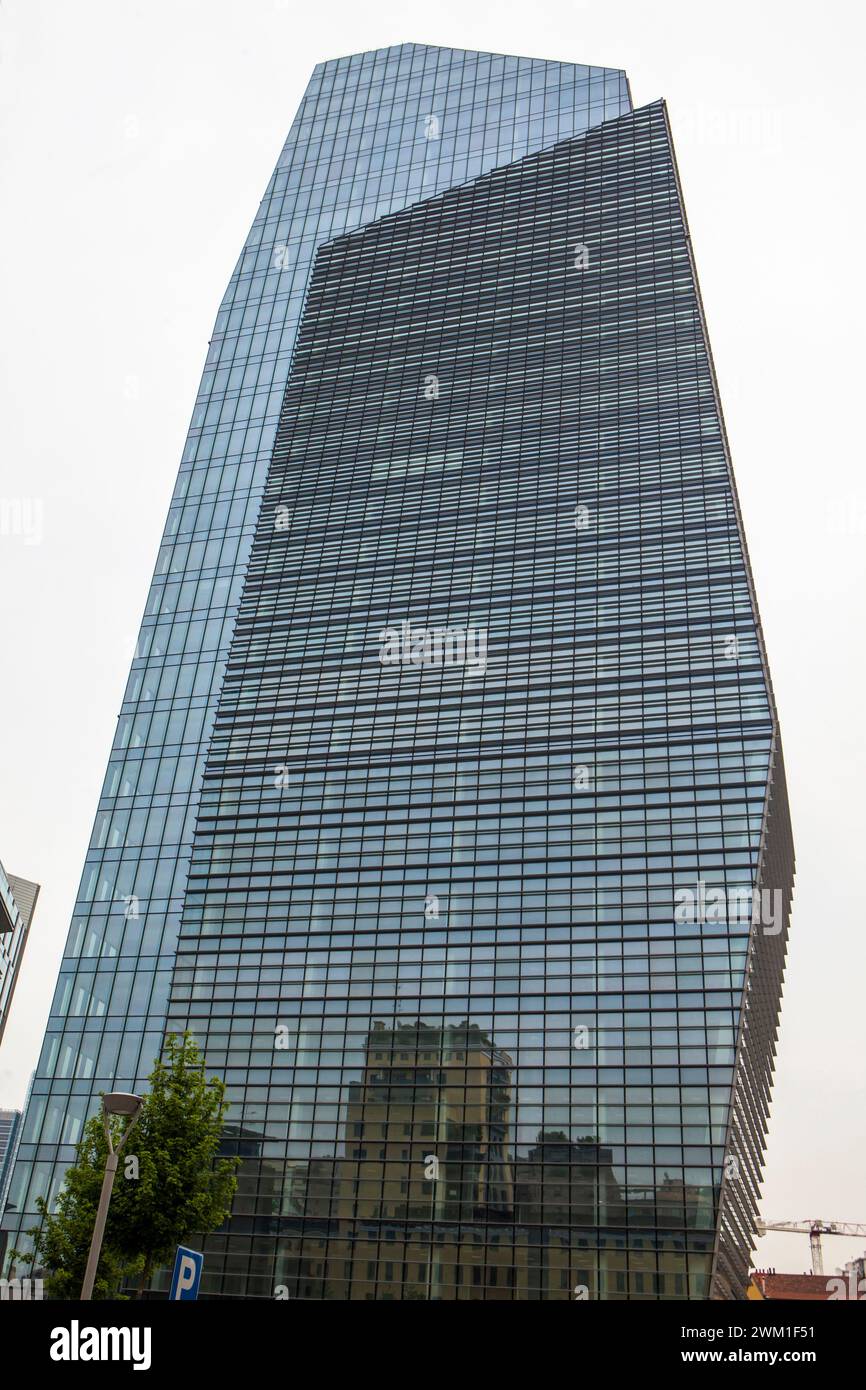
(751, 1089)
(756, 1049)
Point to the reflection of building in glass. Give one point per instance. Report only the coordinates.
(560, 1218)
(433, 1101)
(565, 1183)
(427, 1140)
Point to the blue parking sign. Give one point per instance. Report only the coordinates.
(187, 1273)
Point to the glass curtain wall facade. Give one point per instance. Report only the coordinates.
(486, 915)
(17, 902)
(374, 132)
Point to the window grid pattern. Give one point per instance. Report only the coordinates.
(430, 933)
(362, 144)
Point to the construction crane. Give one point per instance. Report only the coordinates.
(815, 1230)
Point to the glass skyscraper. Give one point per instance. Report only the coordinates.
(447, 804)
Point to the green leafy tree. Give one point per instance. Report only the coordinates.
(177, 1188)
(170, 1185)
(62, 1243)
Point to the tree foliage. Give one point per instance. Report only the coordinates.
(181, 1189)
(62, 1242)
(170, 1186)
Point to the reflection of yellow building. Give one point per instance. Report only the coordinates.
(427, 1129)
(427, 1201)
(565, 1183)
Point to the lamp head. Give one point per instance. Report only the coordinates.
(121, 1103)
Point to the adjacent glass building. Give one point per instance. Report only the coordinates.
(447, 804)
(9, 1121)
(17, 903)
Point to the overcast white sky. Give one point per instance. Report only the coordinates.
(136, 140)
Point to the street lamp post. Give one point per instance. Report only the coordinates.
(115, 1103)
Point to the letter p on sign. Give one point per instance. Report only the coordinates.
(187, 1273)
